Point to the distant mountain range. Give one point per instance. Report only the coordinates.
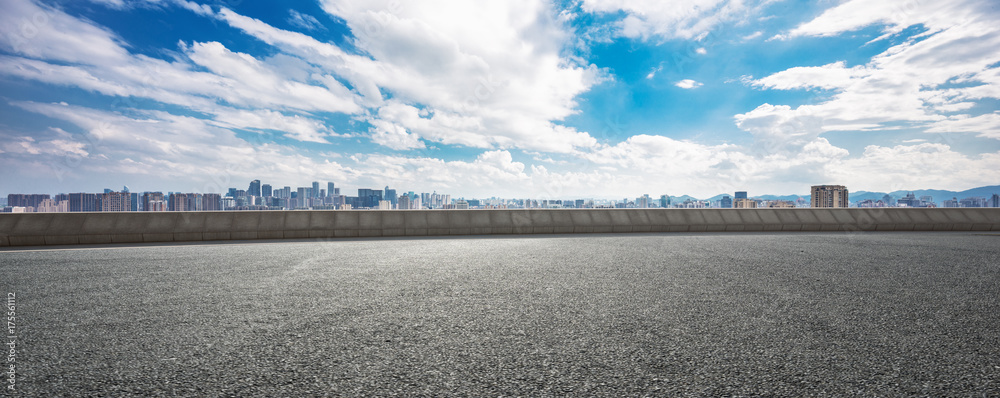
(938, 195)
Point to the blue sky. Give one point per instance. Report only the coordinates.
(524, 98)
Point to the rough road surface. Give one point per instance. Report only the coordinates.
(875, 314)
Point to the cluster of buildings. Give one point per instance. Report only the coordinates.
(911, 200)
(256, 197)
(260, 196)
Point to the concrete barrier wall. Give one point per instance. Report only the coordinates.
(36, 229)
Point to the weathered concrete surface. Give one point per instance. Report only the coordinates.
(37, 229)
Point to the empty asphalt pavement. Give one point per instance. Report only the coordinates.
(823, 314)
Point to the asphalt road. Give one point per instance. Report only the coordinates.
(877, 314)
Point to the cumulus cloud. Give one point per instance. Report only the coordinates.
(831, 76)
(940, 166)
(688, 84)
(83, 55)
(186, 152)
(494, 67)
(394, 136)
(495, 78)
(911, 83)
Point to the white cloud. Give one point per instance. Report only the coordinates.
(251, 82)
(495, 77)
(893, 16)
(986, 125)
(911, 83)
(52, 147)
(489, 74)
(38, 31)
(104, 65)
(892, 168)
(187, 153)
(394, 136)
(111, 3)
(692, 19)
(304, 21)
(296, 127)
(688, 84)
(832, 76)
(652, 73)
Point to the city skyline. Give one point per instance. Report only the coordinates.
(530, 99)
(260, 196)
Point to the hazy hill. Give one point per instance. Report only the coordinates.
(938, 194)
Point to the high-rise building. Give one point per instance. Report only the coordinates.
(177, 202)
(193, 202)
(82, 202)
(134, 200)
(927, 201)
(740, 195)
(115, 201)
(315, 190)
(664, 201)
(153, 201)
(829, 196)
(995, 200)
(781, 204)
(302, 197)
(25, 200)
(390, 195)
(403, 203)
(241, 198)
(207, 201)
(974, 202)
(330, 190)
(369, 197)
(283, 193)
(52, 206)
(211, 202)
(643, 201)
(726, 202)
(254, 189)
(744, 203)
(266, 190)
(910, 200)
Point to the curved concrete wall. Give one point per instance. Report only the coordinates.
(31, 229)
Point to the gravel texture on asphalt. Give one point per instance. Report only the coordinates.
(819, 314)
